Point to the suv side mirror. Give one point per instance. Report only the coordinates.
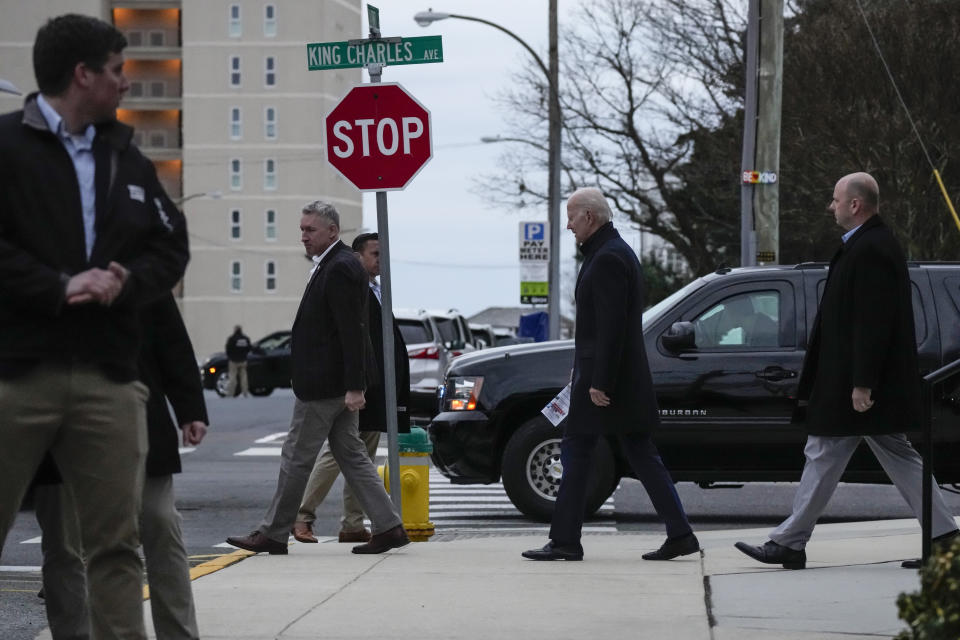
(679, 337)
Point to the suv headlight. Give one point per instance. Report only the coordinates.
(462, 393)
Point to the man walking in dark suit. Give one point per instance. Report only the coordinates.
(860, 377)
(612, 388)
(332, 363)
(373, 417)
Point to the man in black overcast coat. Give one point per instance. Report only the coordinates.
(860, 378)
(612, 388)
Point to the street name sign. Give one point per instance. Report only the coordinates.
(348, 55)
(534, 262)
(378, 137)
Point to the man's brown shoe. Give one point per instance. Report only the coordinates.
(303, 532)
(259, 543)
(389, 539)
(363, 535)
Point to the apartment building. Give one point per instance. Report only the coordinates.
(224, 105)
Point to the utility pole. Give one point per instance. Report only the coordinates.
(553, 189)
(760, 160)
(766, 196)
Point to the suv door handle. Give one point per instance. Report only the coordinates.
(775, 373)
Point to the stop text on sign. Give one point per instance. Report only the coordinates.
(410, 128)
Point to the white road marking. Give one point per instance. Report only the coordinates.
(20, 569)
(32, 540)
(273, 437)
(260, 451)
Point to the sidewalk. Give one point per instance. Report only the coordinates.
(480, 588)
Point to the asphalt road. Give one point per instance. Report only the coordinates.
(229, 479)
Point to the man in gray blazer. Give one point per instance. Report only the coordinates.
(332, 363)
(860, 376)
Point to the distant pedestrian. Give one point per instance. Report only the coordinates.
(860, 378)
(87, 237)
(238, 348)
(332, 364)
(373, 417)
(612, 390)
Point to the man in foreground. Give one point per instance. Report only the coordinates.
(87, 236)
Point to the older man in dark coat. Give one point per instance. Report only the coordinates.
(860, 377)
(612, 391)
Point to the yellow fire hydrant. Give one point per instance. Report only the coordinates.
(415, 449)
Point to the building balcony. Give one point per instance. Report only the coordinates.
(152, 53)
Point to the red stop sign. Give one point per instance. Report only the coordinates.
(378, 137)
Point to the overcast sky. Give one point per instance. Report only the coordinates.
(448, 247)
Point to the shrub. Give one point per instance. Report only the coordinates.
(933, 613)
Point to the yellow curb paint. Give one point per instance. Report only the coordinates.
(210, 566)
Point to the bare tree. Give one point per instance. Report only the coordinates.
(637, 78)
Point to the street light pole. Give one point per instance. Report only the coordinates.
(425, 18)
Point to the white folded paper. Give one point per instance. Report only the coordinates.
(558, 408)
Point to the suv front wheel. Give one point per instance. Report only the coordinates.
(531, 470)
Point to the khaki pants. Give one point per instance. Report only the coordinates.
(325, 473)
(237, 371)
(96, 431)
(168, 569)
(312, 423)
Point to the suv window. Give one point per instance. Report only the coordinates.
(415, 331)
(744, 320)
(448, 329)
(274, 341)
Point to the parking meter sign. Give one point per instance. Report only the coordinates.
(534, 262)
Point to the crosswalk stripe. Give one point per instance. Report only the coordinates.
(36, 540)
(260, 451)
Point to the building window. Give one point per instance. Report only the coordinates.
(270, 123)
(136, 89)
(236, 277)
(158, 139)
(270, 273)
(270, 65)
(270, 174)
(236, 125)
(158, 38)
(138, 137)
(235, 230)
(158, 89)
(270, 225)
(236, 29)
(234, 71)
(134, 38)
(270, 20)
(236, 175)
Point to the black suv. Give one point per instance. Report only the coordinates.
(725, 352)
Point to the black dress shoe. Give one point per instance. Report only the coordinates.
(674, 547)
(551, 551)
(380, 542)
(259, 543)
(773, 553)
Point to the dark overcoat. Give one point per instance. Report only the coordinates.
(610, 355)
(168, 367)
(863, 336)
(373, 417)
(330, 350)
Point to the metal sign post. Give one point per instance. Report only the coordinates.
(372, 169)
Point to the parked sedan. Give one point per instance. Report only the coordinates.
(268, 367)
(428, 358)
